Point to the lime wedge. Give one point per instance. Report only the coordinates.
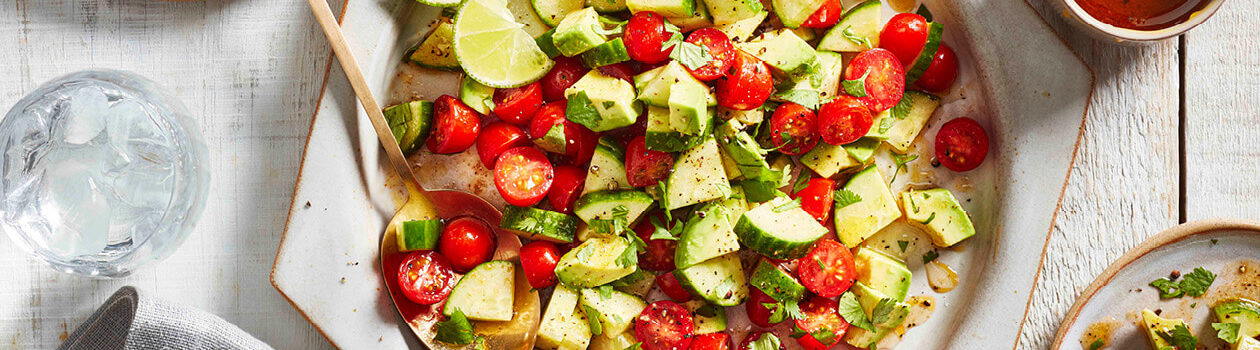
(440, 3)
(494, 49)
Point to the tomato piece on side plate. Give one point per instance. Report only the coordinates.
(467, 242)
(517, 105)
(720, 49)
(747, 85)
(826, 16)
(644, 35)
(816, 198)
(747, 344)
(561, 76)
(496, 138)
(884, 76)
(645, 167)
(828, 269)
(942, 72)
(904, 35)
(711, 341)
(425, 277)
(793, 129)
(670, 286)
(538, 259)
(822, 324)
(758, 307)
(456, 126)
(962, 144)
(664, 325)
(844, 120)
(523, 175)
(659, 253)
(566, 188)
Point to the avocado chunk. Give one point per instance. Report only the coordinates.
(1244, 312)
(666, 8)
(743, 29)
(749, 157)
(779, 229)
(858, 221)
(828, 160)
(638, 283)
(627, 205)
(893, 313)
(882, 273)
(938, 213)
(706, 235)
(576, 33)
(554, 140)
(597, 261)
(863, 149)
(785, 52)
(900, 126)
(743, 119)
(731, 11)
(794, 12)
(601, 102)
(608, 168)
(707, 318)
(719, 280)
(615, 310)
(735, 205)
(622, 341)
(1154, 325)
(562, 325)
(697, 177)
(699, 18)
(688, 108)
(478, 97)
(1247, 344)
(657, 85)
(661, 136)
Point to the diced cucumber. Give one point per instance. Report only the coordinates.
(610, 52)
(707, 318)
(827, 160)
(610, 99)
(699, 18)
(485, 293)
(478, 97)
(638, 283)
(662, 137)
(732, 11)
(706, 235)
(577, 32)
(418, 234)
(666, 8)
(859, 26)
(794, 12)
(920, 65)
(858, 221)
(608, 168)
(697, 177)
(596, 262)
(779, 229)
(410, 123)
(719, 280)
(606, 6)
(623, 341)
(562, 325)
(939, 214)
(1244, 312)
(615, 311)
(869, 298)
(436, 51)
(743, 29)
(605, 205)
(900, 125)
(863, 149)
(882, 273)
(785, 52)
(539, 224)
(776, 283)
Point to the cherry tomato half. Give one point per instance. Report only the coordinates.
(793, 129)
(496, 138)
(425, 277)
(517, 105)
(826, 16)
(885, 78)
(940, 75)
(664, 325)
(455, 126)
(754, 336)
(579, 141)
(538, 259)
(828, 269)
(467, 242)
(645, 167)
(904, 35)
(816, 198)
(566, 187)
(659, 253)
(720, 48)
(523, 175)
(561, 76)
(674, 290)
(711, 341)
(644, 35)
(822, 320)
(962, 144)
(757, 309)
(844, 120)
(747, 85)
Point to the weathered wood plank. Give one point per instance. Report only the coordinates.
(1124, 185)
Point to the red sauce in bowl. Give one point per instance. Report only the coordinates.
(1142, 14)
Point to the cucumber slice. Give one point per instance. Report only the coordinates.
(607, 6)
(863, 149)
(596, 262)
(604, 205)
(610, 52)
(776, 283)
(662, 137)
(539, 224)
(706, 235)
(666, 8)
(827, 160)
(719, 280)
(436, 51)
(410, 123)
(615, 311)
(562, 325)
(779, 229)
(475, 95)
(485, 293)
(794, 12)
(900, 125)
(920, 65)
(859, 26)
(697, 177)
(638, 283)
(552, 12)
(418, 234)
(858, 221)
(608, 168)
(743, 29)
(1242, 311)
(707, 318)
(735, 205)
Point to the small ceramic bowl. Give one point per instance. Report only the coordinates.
(1077, 16)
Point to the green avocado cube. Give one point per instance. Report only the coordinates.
(666, 8)
(577, 32)
(828, 160)
(939, 214)
(596, 262)
(789, 55)
(877, 208)
(870, 298)
(882, 273)
(1154, 325)
(601, 102)
(688, 108)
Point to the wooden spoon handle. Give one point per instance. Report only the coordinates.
(326, 19)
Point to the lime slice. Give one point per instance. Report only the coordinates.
(440, 3)
(494, 49)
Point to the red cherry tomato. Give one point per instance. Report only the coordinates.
(905, 35)
(711, 341)
(720, 48)
(455, 126)
(844, 120)
(758, 312)
(826, 16)
(425, 277)
(823, 319)
(644, 35)
(565, 188)
(561, 76)
(659, 253)
(747, 85)
(581, 146)
(517, 105)
(645, 167)
(467, 242)
(664, 325)
(579, 141)
(940, 75)
(885, 78)
(793, 129)
(962, 144)
(754, 336)
(816, 198)
(523, 175)
(538, 259)
(496, 138)
(674, 290)
(828, 269)
(621, 71)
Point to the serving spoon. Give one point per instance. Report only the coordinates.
(517, 333)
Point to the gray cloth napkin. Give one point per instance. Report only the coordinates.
(134, 320)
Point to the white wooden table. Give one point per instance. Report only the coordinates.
(1172, 136)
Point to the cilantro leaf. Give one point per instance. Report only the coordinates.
(768, 341)
(630, 256)
(804, 97)
(851, 310)
(901, 160)
(824, 335)
(659, 231)
(930, 256)
(616, 224)
(581, 111)
(663, 188)
(605, 291)
(802, 181)
(1227, 331)
(454, 330)
(1180, 337)
(930, 218)
(885, 124)
(848, 33)
(793, 310)
(1097, 344)
(856, 88)
(903, 245)
(635, 346)
(795, 203)
(1196, 282)
(902, 109)
(1167, 288)
(844, 198)
(691, 55)
(592, 318)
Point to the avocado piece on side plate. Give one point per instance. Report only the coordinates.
(1154, 325)
(939, 214)
(877, 208)
(1244, 312)
(882, 273)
